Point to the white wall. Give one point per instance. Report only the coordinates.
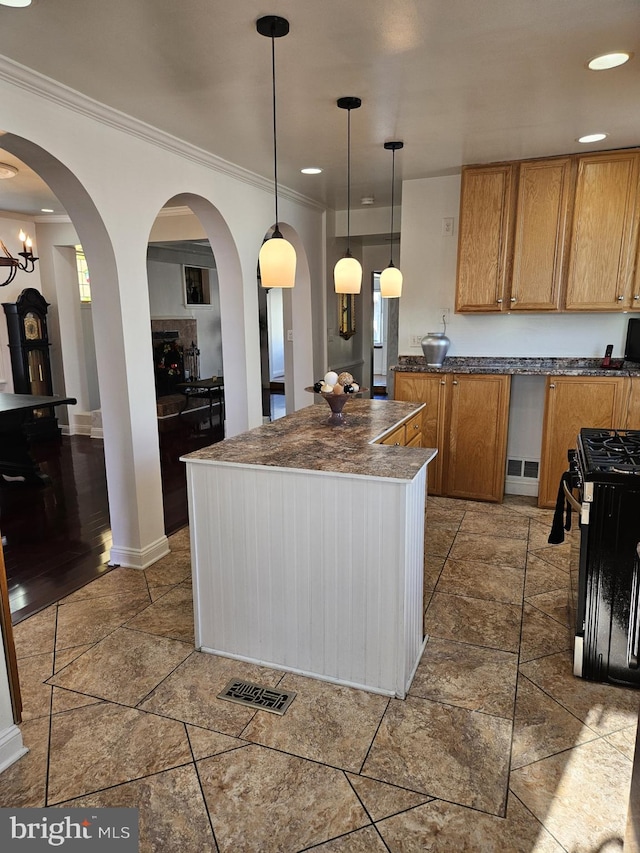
(429, 269)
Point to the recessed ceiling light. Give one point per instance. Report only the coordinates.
(609, 60)
(7, 171)
(593, 137)
(311, 170)
(15, 3)
(46, 210)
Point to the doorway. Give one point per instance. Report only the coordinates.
(272, 368)
(380, 339)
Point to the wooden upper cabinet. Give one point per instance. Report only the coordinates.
(484, 237)
(542, 216)
(604, 233)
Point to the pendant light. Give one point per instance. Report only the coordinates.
(347, 273)
(277, 258)
(391, 278)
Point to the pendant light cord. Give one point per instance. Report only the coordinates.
(275, 142)
(393, 175)
(348, 181)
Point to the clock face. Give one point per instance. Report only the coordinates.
(32, 328)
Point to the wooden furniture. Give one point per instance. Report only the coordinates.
(573, 402)
(307, 546)
(553, 234)
(211, 390)
(16, 412)
(466, 417)
(30, 357)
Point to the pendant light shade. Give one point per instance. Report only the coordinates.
(391, 278)
(347, 273)
(277, 258)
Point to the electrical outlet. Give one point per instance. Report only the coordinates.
(447, 226)
(289, 334)
(415, 340)
(442, 314)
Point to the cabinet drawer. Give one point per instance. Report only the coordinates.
(414, 440)
(397, 437)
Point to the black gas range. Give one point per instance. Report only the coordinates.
(605, 474)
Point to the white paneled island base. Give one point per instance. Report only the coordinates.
(318, 572)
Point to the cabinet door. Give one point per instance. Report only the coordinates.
(429, 388)
(484, 237)
(604, 233)
(478, 436)
(573, 402)
(544, 188)
(633, 408)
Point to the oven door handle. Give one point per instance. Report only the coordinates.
(572, 501)
(632, 639)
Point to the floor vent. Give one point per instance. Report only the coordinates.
(256, 696)
(522, 468)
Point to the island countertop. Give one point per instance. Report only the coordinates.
(306, 441)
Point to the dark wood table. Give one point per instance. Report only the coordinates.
(16, 410)
(211, 389)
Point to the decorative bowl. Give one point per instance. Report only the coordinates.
(336, 404)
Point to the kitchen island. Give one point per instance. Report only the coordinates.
(307, 546)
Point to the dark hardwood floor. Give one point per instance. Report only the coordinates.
(56, 537)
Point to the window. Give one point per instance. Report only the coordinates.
(84, 284)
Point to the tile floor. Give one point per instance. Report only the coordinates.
(497, 748)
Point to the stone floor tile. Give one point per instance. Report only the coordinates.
(383, 800)
(65, 656)
(438, 541)
(432, 568)
(542, 635)
(580, 795)
(262, 800)
(542, 727)
(90, 620)
(189, 693)
(117, 581)
(471, 677)
(555, 555)
(365, 840)
(36, 694)
(24, 783)
(488, 549)
(325, 722)
(36, 635)
(473, 620)
(479, 580)
(444, 752)
(169, 616)
(541, 576)
(507, 524)
(624, 741)
(172, 813)
(437, 516)
(439, 827)
(204, 742)
(99, 746)
(605, 708)
(66, 700)
(554, 604)
(170, 570)
(124, 667)
(180, 541)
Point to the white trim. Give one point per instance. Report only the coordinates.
(97, 432)
(39, 84)
(521, 486)
(11, 747)
(136, 558)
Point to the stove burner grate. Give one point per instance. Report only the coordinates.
(615, 451)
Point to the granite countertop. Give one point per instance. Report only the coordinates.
(521, 366)
(306, 441)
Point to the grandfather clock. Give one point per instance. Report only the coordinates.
(30, 357)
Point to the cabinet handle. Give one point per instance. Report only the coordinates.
(416, 426)
(396, 444)
(620, 298)
(455, 382)
(513, 299)
(636, 297)
(552, 385)
(442, 382)
(498, 300)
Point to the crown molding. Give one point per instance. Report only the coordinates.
(38, 84)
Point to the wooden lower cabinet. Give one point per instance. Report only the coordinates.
(573, 402)
(466, 417)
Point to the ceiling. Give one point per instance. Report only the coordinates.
(458, 81)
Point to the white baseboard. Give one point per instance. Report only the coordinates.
(11, 747)
(140, 559)
(97, 432)
(521, 486)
